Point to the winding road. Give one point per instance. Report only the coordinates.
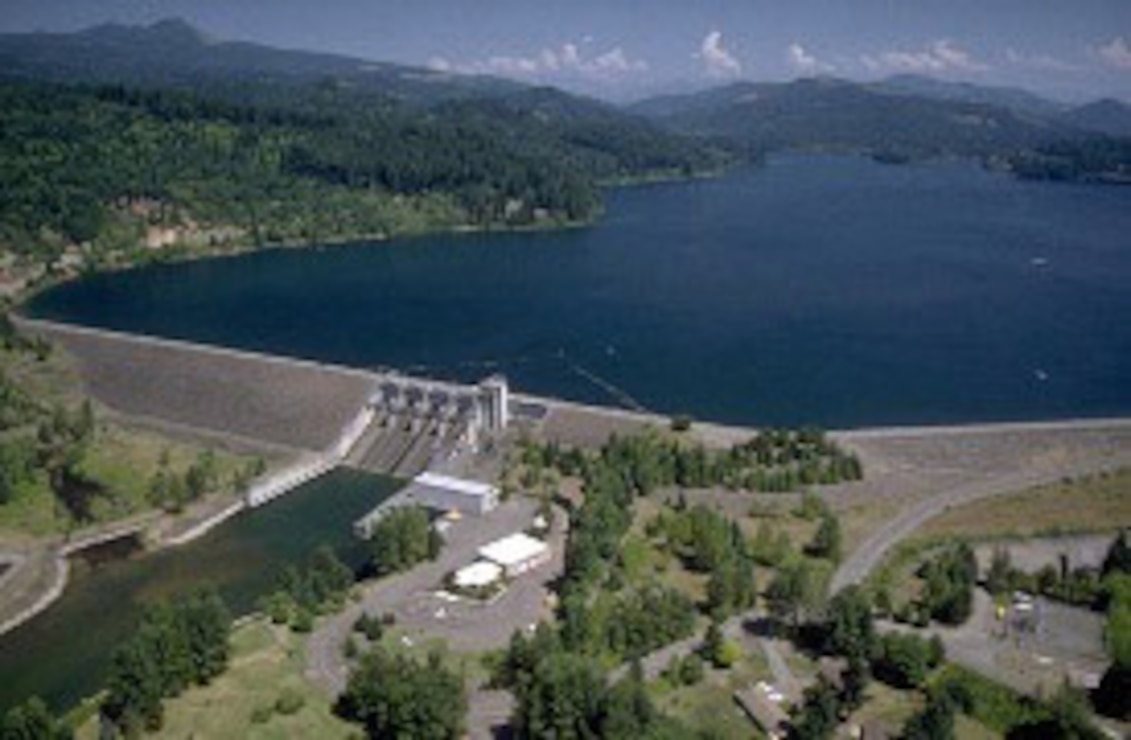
(868, 556)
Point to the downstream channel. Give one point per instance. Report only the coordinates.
(62, 654)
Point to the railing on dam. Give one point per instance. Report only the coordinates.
(284, 481)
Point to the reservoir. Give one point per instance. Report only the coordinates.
(816, 289)
(63, 654)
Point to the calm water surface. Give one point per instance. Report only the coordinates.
(62, 654)
(827, 290)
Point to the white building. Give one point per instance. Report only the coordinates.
(448, 493)
(516, 554)
(480, 574)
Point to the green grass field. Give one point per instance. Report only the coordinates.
(1099, 503)
(122, 460)
(266, 672)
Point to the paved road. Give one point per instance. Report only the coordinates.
(865, 558)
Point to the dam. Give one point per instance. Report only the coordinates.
(318, 416)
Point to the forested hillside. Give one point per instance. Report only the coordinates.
(840, 115)
(106, 164)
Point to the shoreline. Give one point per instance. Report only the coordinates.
(60, 554)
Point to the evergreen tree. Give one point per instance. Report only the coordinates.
(394, 696)
(849, 628)
(827, 539)
(934, 722)
(1118, 559)
(564, 700)
(999, 576)
(32, 721)
(818, 716)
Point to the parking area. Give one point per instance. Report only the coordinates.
(424, 612)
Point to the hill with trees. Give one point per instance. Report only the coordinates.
(1105, 116)
(835, 114)
(103, 165)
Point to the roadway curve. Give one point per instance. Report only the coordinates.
(868, 556)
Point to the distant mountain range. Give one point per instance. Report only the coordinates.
(905, 115)
(172, 53)
(1106, 116)
(911, 109)
(1015, 99)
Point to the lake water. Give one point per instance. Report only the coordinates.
(62, 654)
(828, 290)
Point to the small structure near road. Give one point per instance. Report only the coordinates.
(516, 554)
(480, 574)
(763, 706)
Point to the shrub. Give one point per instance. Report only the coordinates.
(290, 701)
(729, 654)
(995, 706)
(681, 423)
(690, 670)
(372, 627)
(302, 621)
(905, 660)
(262, 715)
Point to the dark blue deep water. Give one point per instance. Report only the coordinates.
(827, 290)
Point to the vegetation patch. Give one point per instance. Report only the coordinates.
(1098, 503)
(262, 694)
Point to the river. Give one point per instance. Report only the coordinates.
(62, 654)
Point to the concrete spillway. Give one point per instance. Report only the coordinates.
(395, 446)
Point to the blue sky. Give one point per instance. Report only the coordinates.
(1072, 49)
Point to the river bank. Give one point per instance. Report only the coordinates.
(63, 652)
(38, 573)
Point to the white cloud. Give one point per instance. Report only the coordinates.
(939, 56)
(716, 59)
(1038, 62)
(805, 63)
(1116, 53)
(565, 60)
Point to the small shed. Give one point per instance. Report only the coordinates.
(517, 553)
(479, 574)
(762, 711)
